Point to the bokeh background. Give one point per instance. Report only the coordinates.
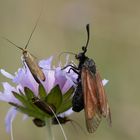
(114, 44)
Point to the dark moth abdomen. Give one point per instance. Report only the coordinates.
(77, 100)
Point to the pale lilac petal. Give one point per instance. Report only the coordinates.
(105, 81)
(68, 84)
(60, 78)
(6, 74)
(20, 88)
(19, 75)
(7, 95)
(46, 64)
(4, 98)
(66, 113)
(11, 114)
(26, 79)
(7, 87)
(50, 80)
(72, 77)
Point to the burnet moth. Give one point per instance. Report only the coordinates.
(89, 94)
(29, 59)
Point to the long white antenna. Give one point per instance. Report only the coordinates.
(13, 43)
(65, 137)
(33, 30)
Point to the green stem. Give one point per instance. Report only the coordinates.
(49, 130)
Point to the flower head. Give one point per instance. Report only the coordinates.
(38, 100)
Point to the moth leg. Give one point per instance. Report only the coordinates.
(75, 70)
(70, 66)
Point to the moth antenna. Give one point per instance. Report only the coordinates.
(13, 43)
(33, 30)
(65, 53)
(59, 123)
(88, 35)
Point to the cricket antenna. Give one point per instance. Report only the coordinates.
(33, 30)
(84, 48)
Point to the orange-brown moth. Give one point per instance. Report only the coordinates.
(89, 94)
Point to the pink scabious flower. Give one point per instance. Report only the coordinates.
(39, 100)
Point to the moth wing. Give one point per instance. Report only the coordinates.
(103, 98)
(91, 104)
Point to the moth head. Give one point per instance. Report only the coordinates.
(25, 53)
(82, 54)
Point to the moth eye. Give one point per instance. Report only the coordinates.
(83, 48)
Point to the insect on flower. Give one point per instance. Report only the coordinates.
(89, 94)
(44, 106)
(29, 59)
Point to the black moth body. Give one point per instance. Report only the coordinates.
(78, 100)
(89, 94)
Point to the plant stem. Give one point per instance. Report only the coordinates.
(49, 130)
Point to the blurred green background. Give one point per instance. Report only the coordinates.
(114, 44)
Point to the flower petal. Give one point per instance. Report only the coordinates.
(68, 84)
(7, 95)
(6, 74)
(46, 64)
(60, 78)
(105, 81)
(66, 113)
(9, 118)
(19, 74)
(50, 80)
(26, 79)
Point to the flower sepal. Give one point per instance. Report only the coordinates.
(45, 105)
